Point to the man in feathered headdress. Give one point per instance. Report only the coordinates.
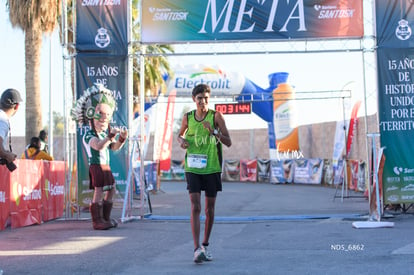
(95, 108)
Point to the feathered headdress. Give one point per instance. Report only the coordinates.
(84, 109)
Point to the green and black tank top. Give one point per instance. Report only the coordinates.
(204, 154)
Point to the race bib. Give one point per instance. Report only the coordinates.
(197, 161)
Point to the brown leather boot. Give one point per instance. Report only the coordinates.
(107, 208)
(97, 218)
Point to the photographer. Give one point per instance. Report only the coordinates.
(9, 104)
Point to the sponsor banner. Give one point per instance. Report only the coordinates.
(376, 202)
(111, 71)
(177, 170)
(281, 171)
(160, 111)
(357, 178)
(308, 171)
(263, 170)
(248, 170)
(396, 122)
(328, 172)
(231, 170)
(338, 171)
(167, 136)
(165, 175)
(102, 26)
(4, 196)
(169, 21)
(222, 83)
(353, 123)
(394, 23)
(53, 190)
(353, 179)
(339, 142)
(135, 133)
(150, 170)
(26, 193)
(36, 185)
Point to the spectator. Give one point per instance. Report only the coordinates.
(44, 140)
(9, 104)
(34, 152)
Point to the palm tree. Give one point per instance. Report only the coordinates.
(34, 17)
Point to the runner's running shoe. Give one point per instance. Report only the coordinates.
(199, 255)
(207, 254)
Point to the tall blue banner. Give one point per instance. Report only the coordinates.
(101, 26)
(112, 73)
(102, 48)
(396, 122)
(395, 58)
(395, 22)
(169, 21)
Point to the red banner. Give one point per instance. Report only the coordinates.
(36, 186)
(53, 190)
(166, 144)
(352, 126)
(26, 193)
(248, 170)
(4, 196)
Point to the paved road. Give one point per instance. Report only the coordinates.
(260, 229)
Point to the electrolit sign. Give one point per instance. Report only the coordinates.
(221, 82)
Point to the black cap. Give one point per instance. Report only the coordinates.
(10, 97)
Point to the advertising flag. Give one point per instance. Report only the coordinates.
(166, 144)
(353, 123)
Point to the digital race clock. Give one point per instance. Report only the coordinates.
(233, 108)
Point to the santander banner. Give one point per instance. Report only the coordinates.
(169, 21)
(35, 192)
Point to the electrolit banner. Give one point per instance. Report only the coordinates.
(101, 26)
(110, 71)
(396, 123)
(394, 23)
(221, 82)
(169, 21)
(273, 104)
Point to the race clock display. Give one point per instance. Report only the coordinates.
(233, 108)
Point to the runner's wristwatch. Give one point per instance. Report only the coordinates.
(215, 132)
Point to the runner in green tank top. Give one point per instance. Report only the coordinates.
(202, 133)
